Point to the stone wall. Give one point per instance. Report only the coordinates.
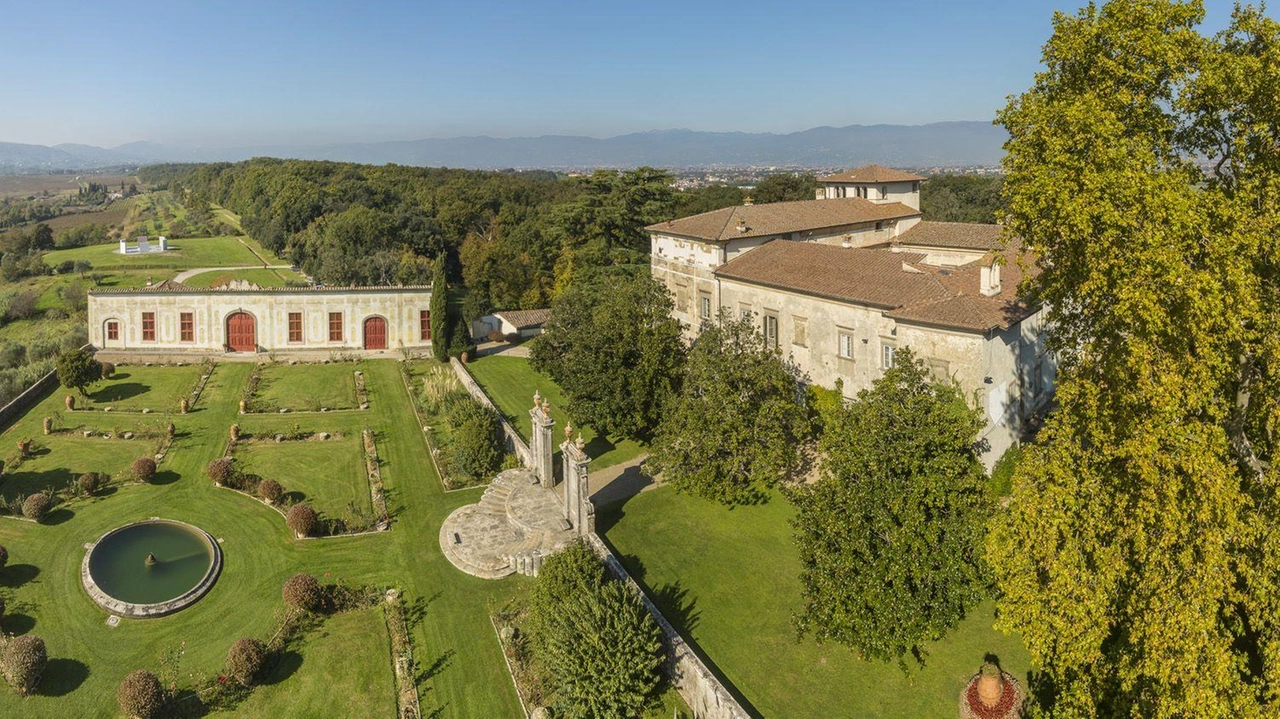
(692, 678)
(512, 440)
(30, 395)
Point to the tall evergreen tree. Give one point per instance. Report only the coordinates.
(1139, 558)
(441, 328)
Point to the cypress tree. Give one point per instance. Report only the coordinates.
(439, 310)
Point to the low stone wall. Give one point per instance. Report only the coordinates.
(512, 440)
(692, 678)
(31, 395)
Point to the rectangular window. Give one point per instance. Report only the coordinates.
(744, 311)
(879, 225)
(335, 326)
(799, 331)
(148, 327)
(295, 326)
(846, 345)
(704, 307)
(424, 324)
(770, 332)
(187, 326)
(113, 330)
(888, 356)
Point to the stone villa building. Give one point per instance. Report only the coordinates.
(245, 318)
(841, 282)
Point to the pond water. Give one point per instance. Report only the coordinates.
(150, 562)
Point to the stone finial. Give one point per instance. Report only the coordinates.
(568, 430)
(579, 443)
(537, 399)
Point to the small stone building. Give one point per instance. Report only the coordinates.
(245, 318)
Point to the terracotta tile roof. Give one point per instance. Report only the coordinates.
(781, 218)
(959, 235)
(524, 319)
(872, 173)
(898, 282)
(169, 285)
(177, 287)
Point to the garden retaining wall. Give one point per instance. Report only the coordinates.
(31, 395)
(691, 677)
(511, 439)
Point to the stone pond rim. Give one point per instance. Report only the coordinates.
(192, 588)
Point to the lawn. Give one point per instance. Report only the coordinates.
(183, 253)
(327, 474)
(137, 387)
(59, 459)
(261, 278)
(337, 670)
(729, 581)
(510, 382)
(308, 387)
(341, 670)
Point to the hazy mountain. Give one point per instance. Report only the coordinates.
(937, 144)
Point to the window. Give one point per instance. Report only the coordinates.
(148, 327)
(884, 191)
(888, 356)
(744, 311)
(770, 332)
(915, 186)
(187, 326)
(879, 225)
(846, 345)
(113, 330)
(335, 326)
(424, 324)
(704, 307)
(799, 331)
(295, 326)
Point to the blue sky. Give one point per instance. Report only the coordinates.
(221, 74)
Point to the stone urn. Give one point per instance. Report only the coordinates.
(235, 432)
(184, 405)
(463, 358)
(48, 425)
(171, 430)
(24, 447)
(71, 402)
(243, 406)
(991, 694)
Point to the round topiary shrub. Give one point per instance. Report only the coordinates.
(89, 482)
(302, 519)
(144, 468)
(246, 660)
(140, 695)
(4, 556)
(37, 507)
(270, 490)
(108, 370)
(23, 662)
(303, 592)
(222, 471)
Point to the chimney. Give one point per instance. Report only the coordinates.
(990, 280)
(742, 225)
(846, 241)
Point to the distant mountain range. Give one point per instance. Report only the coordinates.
(940, 144)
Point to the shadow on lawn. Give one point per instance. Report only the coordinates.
(118, 391)
(168, 476)
(16, 575)
(62, 676)
(18, 624)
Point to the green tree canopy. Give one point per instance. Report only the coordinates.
(785, 187)
(890, 536)
(1139, 558)
(77, 369)
(441, 328)
(614, 348)
(735, 428)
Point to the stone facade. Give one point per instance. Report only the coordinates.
(171, 317)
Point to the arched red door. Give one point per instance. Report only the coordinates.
(375, 333)
(242, 335)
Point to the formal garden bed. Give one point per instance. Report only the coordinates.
(144, 389)
(69, 467)
(324, 387)
(465, 440)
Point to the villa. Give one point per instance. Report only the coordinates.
(840, 283)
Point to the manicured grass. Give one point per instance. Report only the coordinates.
(61, 458)
(137, 387)
(462, 673)
(729, 581)
(510, 382)
(189, 252)
(262, 278)
(341, 670)
(328, 474)
(306, 387)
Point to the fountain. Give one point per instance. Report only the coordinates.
(151, 568)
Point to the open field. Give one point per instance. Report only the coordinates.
(66, 184)
(729, 581)
(306, 387)
(191, 252)
(510, 382)
(329, 475)
(341, 669)
(260, 277)
(115, 214)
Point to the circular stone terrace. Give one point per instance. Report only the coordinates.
(138, 610)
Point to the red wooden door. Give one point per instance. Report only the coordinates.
(241, 333)
(375, 333)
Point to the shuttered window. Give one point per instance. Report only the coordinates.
(148, 327)
(424, 324)
(113, 330)
(187, 326)
(335, 326)
(295, 326)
